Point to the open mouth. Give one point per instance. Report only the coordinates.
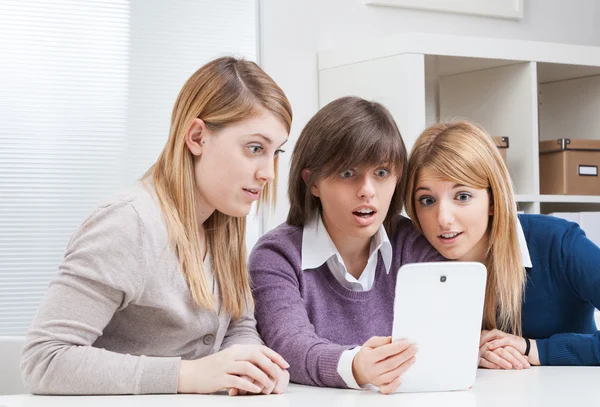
(449, 236)
(364, 213)
(252, 191)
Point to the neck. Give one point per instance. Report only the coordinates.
(203, 209)
(354, 250)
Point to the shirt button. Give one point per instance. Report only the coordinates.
(208, 339)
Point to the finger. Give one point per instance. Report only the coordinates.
(274, 356)
(265, 364)
(487, 364)
(244, 392)
(500, 343)
(236, 382)
(391, 387)
(392, 375)
(509, 357)
(489, 335)
(377, 341)
(393, 362)
(282, 383)
(245, 368)
(496, 359)
(519, 356)
(391, 349)
(233, 391)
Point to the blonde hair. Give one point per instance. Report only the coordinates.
(222, 92)
(464, 153)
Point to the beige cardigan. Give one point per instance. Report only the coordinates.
(119, 316)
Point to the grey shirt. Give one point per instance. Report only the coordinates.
(119, 316)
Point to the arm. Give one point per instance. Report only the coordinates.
(580, 261)
(102, 272)
(283, 321)
(242, 331)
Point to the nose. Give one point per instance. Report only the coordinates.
(266, 171)
(445, 214)
(366, 188)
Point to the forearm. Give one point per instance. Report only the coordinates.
(570, 349)
(51, 367)
(242, 331)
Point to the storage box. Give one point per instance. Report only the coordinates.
(502, 144)
(570, 167)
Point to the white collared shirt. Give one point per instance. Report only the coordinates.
(523, 246)
(318, 248)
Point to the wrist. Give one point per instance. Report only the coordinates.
(182, 380)
(356, 372)
(534, 357)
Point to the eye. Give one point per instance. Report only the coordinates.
(426, 200)
(347, 174)
(382, 172)
(278, 152)
(463, 197)
(255, 148)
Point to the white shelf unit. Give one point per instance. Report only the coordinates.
(526, 91)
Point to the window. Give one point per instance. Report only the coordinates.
(86, 92)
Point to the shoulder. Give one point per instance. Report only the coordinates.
(549, 234)
(282, 244)
(546, 227)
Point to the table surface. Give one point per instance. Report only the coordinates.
(538, 386)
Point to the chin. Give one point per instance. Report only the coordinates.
(236, 212)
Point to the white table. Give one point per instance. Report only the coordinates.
(541, 386)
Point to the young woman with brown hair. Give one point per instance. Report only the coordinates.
(324, 281)
(153, 294)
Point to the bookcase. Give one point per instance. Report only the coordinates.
(527, 91)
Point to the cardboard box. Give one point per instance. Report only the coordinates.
(569, 167)
(502, 144)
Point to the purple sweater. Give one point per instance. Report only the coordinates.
(308, 317)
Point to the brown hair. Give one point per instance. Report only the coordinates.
(349, 132)
(464, 153)
(224, 91)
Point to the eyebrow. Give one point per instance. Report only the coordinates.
(453, 187)
(267, 139)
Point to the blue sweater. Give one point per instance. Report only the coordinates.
(562, 291)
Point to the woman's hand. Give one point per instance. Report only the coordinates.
(246, 368)
(500, 350)
(382, 363)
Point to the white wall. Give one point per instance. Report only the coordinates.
(293, 31)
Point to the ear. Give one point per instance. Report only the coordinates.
(306, 175)
(314, 188)
(195, 137)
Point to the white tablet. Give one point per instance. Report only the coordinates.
(439, 306)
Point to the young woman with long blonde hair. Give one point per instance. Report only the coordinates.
(543, 281)
(153, 294)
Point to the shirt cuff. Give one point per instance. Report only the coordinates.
(344, 368)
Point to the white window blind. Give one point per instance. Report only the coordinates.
(86, 93)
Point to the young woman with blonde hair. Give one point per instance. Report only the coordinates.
(153, 294)
(543, 273)
(324, 281)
